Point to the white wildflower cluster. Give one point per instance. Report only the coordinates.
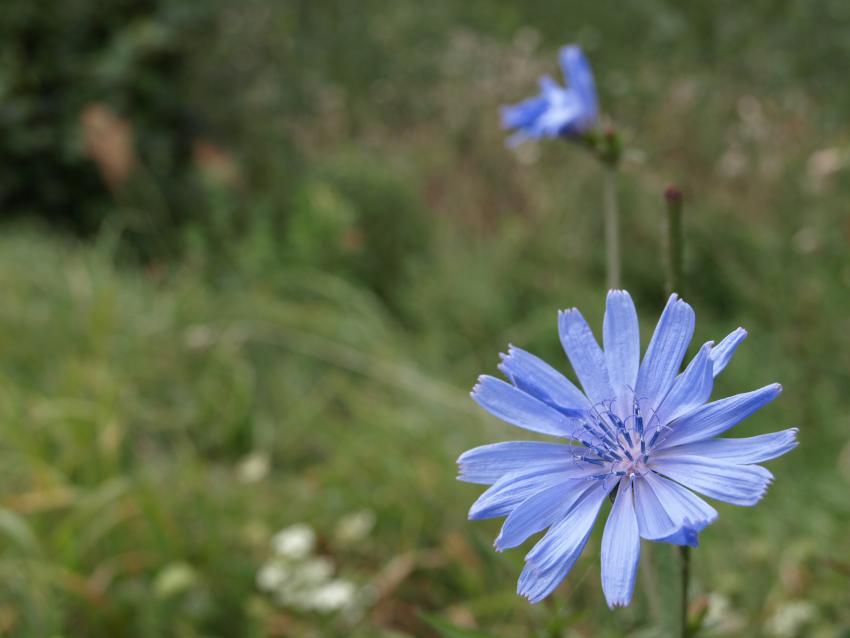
(296, 577)
(354, 527)
(722, 618)
(790, 619)
(254, 467)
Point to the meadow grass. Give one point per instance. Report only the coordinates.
(131, 401)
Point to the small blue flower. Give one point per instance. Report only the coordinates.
(641, 430)
(557, 111)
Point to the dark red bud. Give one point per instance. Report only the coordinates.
(672, 194)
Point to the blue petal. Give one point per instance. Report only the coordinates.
(551, 559)
(579, 77)
(653, 520)
(539, 511)
(536, 377)
(754, 449)
(736, 484)
(525, 113)
(488, 463)
(518, 408)
(722, 353)
(665, 352)
(686, 510)
(557, 110)
(585, 355)
(550, 89)
(620, 549)
(686, 535)
(513, 488)
(669, 513)
(562, 117)
(621, 339)
(716, 417)
(691, 389)
(565, 112)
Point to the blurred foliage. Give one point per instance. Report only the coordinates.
(303, 238)
(58, 59)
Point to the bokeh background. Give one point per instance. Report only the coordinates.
(254, 255)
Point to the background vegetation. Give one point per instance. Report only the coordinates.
(255, 254)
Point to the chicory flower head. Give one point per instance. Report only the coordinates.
(642, 432)
(557, 111)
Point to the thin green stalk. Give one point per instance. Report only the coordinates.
(666, 568)
(673, 196)
(612, 230)
(674, 239)
(685, 559)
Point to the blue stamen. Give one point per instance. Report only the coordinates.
(655, 437)
(621, 427)
(638, 419)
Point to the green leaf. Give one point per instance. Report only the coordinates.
(17, 529)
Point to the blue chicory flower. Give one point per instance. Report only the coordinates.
(557, 111)
(641, 430)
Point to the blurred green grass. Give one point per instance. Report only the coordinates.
(336, 352)
(130, 402)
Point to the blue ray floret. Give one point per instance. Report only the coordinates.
(558, 111)
(642, 432)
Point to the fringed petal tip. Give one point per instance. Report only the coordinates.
(536, 584)
(618, 603)
(759, 494)
(476, 389)
(678, 301)
(528, 586)
(792, 439)
(505, 359)
(463, 470)
(768, 481)
(569, 49)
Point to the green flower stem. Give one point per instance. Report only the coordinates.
(612, 223)
(673, 196)
(685, 560)
(674, 239)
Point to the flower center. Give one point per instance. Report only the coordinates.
(620, 446)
